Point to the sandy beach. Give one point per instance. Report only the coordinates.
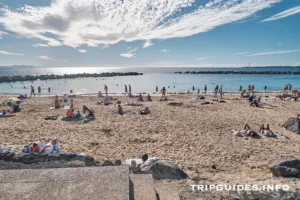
(195, 137)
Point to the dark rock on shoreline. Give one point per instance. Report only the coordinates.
(4, 79)
(239, 72)
(292, 124)
(285, 167)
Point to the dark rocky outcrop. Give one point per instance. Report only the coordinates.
(164, 169)
(4, 79)
(292, 124)
(286, 167)
(238, 72)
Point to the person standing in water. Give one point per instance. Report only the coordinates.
(49, 89)
(241, 88)
(39, 89)
(265, 88)
(156, 88)
(205, 89)
(129, 90)
(163, 92)
(193, 88)
(106, 90)
(198, 91)
(126, 90)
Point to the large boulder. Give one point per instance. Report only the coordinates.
(292, 124)
(164, 169)
(286, 167)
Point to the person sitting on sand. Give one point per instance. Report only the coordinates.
(149, 98)
(78, 115)
(57, 104)
(243, 94)
(120, 110)
(146, 111)
(100, 94)
(15, 107)
(140, 97)
(34, 147)
(144, 158)
(70, 113)
(266, 131)
(106, 102)
(3, 112)
(246, 131)
(49, 147)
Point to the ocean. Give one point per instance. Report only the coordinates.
(147, 83)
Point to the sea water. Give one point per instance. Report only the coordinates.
(152, 77)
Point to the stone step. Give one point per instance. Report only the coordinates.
(166, 190)
(143, 187)
(66, 183)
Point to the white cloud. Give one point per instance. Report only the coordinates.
(2, 33)
(203, 58)
(286, 13)
(105, 22)
(127, 55)
(273, 52)
(165, 50)
(82, 50)
(130, 53)
(242, 53)
(49, 58)
(11, 54)
(40, 45)
(147, 44)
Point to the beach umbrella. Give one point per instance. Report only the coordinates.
(10, 99)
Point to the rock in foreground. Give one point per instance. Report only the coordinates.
(286, 167)
(292, 124)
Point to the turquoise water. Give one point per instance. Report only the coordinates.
(152, 77)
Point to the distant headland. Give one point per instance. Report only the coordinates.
(4, 79)
(239, 72)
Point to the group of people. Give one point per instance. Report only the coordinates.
(218, 90)
(48, 148)
(247, 131)
(32, 90)
(146, 111)
(287, 88)
(128, 92)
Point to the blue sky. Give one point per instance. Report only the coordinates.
(157, 33)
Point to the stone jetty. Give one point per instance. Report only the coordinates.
(6, 79)
(239, 72)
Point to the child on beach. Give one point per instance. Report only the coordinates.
(163, 92)
(120, 110)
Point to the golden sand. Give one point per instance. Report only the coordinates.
(193, 136)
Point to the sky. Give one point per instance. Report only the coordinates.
(150, 33)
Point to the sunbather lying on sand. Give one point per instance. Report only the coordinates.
(146, 111)
(144, 159)
(49, 147)
(246, 131)
(266, 131)
(34, 147)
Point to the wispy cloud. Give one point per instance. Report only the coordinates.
(49, 58)
(40, 45)
(82, 50)
(286, 13)
(130, 53)
(147, 44)
(274, 52)
(2, 33)
(11, 54)
(203, 58)
(165, 50)
(242, 53)
(107, 22)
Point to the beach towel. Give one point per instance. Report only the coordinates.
(42, 145)
(201, 103)
(139, 161)
(68, 119)
(125, 112)
(51, 117)
(164, 99)
(6, 115)
(8, 148)
(63, 108)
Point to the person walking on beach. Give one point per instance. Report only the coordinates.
(215, 92)
(129, 90)
(163, 92)
(156, 88)
(241, 88)
(32, 91)
(49, 89)
(205, 89)
(221, 91)
(106, 90)
(249, 88)
(126, 90)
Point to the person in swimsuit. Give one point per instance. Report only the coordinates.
(49, 147)
(247, 131)
(145, 112)
(140, 98)
(266, 131)
(163, 92)
(70, 113)
(120, 110)
(106, 90)
(34, 147)
(149, 98)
